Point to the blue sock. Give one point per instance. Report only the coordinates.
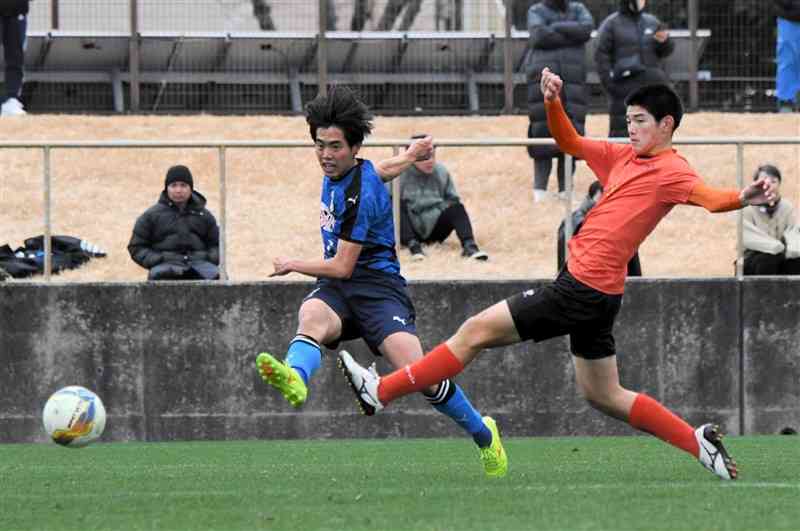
(304, 356)
(451, 400)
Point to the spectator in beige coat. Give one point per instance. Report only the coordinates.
(766, 229)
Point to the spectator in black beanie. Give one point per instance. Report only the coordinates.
(178, 237)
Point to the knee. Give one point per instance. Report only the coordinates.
(474, 332)
(600, 399)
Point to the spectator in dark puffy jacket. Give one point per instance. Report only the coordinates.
(630, 47)
(787, 80)
(558, 30)
(177, 238)
(13, 31)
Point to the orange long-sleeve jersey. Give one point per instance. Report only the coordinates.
(638, 193)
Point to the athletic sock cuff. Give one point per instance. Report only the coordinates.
(444, 391)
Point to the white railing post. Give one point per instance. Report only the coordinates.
(396, 203)
(740, 213)
(48, 260)
(223, 216)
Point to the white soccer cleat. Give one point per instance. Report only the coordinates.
(713, 455)
(363, 382)
(12, 107)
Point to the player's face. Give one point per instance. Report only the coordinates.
(179, 192)
(647, 135)
(426, 166)
(334, 154)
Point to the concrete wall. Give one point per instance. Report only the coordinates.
(176, 360)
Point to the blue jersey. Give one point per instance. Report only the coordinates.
(357, 208)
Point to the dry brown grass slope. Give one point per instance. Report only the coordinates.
(273, 194)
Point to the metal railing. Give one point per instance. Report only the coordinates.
(221, 146)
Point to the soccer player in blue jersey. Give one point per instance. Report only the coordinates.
(359, 290)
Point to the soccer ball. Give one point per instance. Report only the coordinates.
(74, 416)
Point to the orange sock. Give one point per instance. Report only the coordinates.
(439, 364)
(649, 415)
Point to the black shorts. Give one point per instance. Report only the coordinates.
(372, 305)
(568, 307)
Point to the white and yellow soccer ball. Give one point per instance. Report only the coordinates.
(74, 416)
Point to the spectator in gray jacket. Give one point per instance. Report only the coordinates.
(630, 47)
(559, 30)
(430, 210)
(177, 238)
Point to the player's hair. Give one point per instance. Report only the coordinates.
(340, 108)
(658, 100)
(770, 170)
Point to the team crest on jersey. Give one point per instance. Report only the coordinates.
(326, 219)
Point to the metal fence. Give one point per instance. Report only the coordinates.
(222, 146)
(405, 56)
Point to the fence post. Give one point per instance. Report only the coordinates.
(48, 261)
(54, 12)
(134, 53)
(322, 50)
(396, 203)
(570, 188)
(508, 64)
(694, 98)
(740, 213)
(223, 216)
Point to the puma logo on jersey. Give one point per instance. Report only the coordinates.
(353, 200)
(528, 293)
(400, 320)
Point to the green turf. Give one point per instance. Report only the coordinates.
(556, 484)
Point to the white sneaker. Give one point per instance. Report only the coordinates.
(713, 455)
(540, 195)
(12, 107)
(363, 382)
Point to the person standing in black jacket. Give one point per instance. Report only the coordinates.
(630, 47)
(559, 30)
(177, 238)
(13, 28)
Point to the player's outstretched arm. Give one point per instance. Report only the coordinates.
(561, 127)
(340, 266)
(419, 149)
(759, 192)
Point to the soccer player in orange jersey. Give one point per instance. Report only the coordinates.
(643, 181)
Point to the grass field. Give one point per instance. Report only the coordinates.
(631, 483)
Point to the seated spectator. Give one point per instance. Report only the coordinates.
(579, 216)
(765, 228)
(177, 238)
(430, 209)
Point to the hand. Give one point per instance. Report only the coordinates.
(420, 149)
(760, 192)
(281, 265)
(550, 85)
(661, 35)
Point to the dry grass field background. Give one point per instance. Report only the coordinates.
(273, 195)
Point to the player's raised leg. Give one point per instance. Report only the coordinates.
(598, 381)
(491, 328)
(292, 375)
(447, 397)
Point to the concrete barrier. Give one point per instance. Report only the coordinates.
(175, 360)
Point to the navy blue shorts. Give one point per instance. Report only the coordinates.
(568, 307)
(372, 305)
